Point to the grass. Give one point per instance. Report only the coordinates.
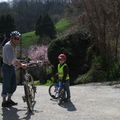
(37, 83)
(29, 39)
(48, 83)
(62, 25)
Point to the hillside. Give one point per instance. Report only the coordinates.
(30, 38)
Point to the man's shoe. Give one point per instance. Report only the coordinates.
(12, 103)
(6, 104)
(67, 100)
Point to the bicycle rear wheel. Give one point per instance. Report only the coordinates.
(53, 91)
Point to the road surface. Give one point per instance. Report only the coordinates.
(88, 102)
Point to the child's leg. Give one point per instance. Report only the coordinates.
(67, 88)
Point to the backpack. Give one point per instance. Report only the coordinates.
(4, 41)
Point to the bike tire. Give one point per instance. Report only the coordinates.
(28, 99)
(33, 88)
(30, 93)
(52, 91)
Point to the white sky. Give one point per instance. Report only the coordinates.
(3, 0)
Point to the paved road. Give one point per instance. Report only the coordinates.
(89, 102)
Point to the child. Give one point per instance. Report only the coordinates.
(63, 73)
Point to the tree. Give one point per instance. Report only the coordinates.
(6, 25)
(4, 8)
(102, 18)
(26, 12)
(38, 27)
(2, 24)
(45, 27)
(48, 27)
(10, 24)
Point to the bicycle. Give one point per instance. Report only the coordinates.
(29, 87)
(57, 91)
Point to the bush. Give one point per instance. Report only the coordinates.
(0, 79)
(75, 46)
(95, 74)
(114, 71)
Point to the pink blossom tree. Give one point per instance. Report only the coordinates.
(38, 53)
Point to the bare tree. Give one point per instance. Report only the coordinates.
(102, 18)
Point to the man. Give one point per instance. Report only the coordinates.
(63, 73)
(8, 69)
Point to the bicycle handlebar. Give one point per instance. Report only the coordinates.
(31, 64)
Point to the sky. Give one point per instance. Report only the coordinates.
(3, 0)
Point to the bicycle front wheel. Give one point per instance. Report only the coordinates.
(53, 91)
(29, 89)
(28, 96)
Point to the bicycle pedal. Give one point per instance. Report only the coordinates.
(24, 98)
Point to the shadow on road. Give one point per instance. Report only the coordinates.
(11, 113)
(29, 114)
(69, 106)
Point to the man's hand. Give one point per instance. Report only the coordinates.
(24, 66)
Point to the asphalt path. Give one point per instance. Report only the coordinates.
(88, 102)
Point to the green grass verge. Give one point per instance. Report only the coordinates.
(37, 83)
(62, 25)
(29, 39)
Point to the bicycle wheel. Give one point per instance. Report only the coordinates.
(32, 87)
(28, 97)
(30, 90)
(53, 91)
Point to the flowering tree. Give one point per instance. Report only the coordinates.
(38, 53)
